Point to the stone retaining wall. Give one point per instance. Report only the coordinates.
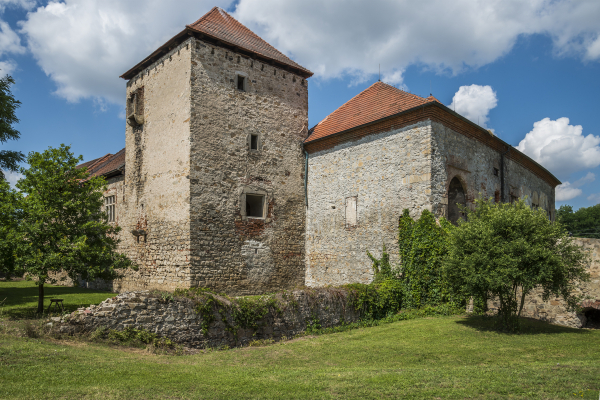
(177, 318)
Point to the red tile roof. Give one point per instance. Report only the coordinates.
(378, 101)
(218, 25)
(106, 164)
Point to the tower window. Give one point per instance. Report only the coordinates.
(253, 142)
(255, 206)
(496, 171)
(109, 208)
(241, 83)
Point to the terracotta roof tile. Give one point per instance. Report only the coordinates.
(106, 164)
(378, 101)
(219, 25)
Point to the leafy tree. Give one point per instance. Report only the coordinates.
(584, 222)
(9, 217)
(506, 251)
(63, 226)
(423, 246)
(8, 105)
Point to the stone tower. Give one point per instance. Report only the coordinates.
(214, 178)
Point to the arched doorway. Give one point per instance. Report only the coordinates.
(456, 196)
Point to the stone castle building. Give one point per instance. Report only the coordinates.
(221, 184)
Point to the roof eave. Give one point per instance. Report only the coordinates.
(444, 108)
(189, 31)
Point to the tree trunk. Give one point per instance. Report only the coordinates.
(40, 309)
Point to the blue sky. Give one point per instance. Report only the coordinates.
(504, 66)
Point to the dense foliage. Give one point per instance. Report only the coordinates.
(423, 246)
(584, 222)
(507, 250)
(9, 159)
(60, 224)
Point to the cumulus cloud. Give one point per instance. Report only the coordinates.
(560, 147)
(353, 37)
(568, 191)
(85, 45)
(474, 102)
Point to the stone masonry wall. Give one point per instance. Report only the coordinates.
(178, 319)
(230, 252)
(386, 172)
(157, 187)
(473, 163)
(555, 310)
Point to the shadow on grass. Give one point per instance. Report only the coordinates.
(529, 326)
(19, 298)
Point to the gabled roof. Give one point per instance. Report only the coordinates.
(378, 101)
(217, 25)
(106, 165)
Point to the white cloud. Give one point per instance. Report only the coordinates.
(568, 191)
(560, 147)
(594, 198)
(353, 37)
(12, 177)
(474, 102)
(85, 45)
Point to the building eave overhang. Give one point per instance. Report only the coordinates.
(499, 143)
(191, 32)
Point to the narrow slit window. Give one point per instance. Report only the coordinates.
(253, 142)
(255, 205)
(241, 83)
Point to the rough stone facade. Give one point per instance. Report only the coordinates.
(387, 169)
(555, 310)
(189, 167)
(386, 173)
(178, 319)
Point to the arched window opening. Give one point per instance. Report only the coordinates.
(456, 197)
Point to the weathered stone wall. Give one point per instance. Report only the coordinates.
(555, 310)
(386, 172)
(157, 187)
(473, 163)
(178, 319)
(230, 252)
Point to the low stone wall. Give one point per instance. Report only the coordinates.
(555, 310)
(177, 318)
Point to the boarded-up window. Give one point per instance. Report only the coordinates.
(351, 215)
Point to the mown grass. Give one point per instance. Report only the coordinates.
(19, 298)
(443, 357)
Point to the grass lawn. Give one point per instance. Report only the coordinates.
(19, 299)
(446, 357)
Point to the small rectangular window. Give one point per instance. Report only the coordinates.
(109, 207)
(241, 83)
(496, 171)
(351, 217)
(253, 142)
(255, 206)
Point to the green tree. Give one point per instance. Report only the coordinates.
(9, 222)
(63, 226)
(423, 246)
(584, 222)
(9, 159)
(507, 250)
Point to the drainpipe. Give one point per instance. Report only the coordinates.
(306, 178)
(502, 199)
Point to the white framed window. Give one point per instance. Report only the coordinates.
(110, 208)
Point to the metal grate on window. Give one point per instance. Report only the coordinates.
(109, 207)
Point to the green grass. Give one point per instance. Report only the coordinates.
(19, 299)
(444, 357)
